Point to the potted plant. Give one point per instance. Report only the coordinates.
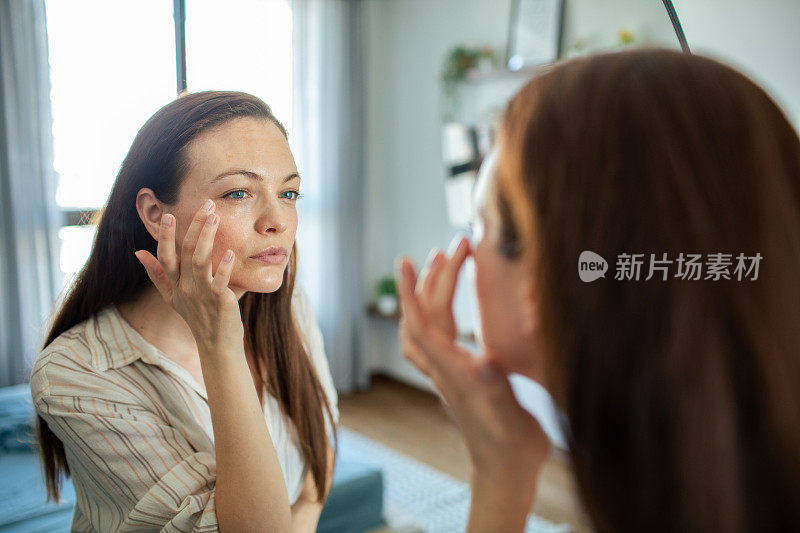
(386, 292)
(457, 63)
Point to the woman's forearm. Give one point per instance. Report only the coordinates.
(500, 505)
(250, 491)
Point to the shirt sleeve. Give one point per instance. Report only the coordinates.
(131, 470)
(312, 337)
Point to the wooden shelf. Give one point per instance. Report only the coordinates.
(372, 311)
(476, 75)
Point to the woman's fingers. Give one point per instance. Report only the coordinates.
(223, 275)
(155, 272)
(412, 352)
(429, 348)
(414, 317)
(443, 291)
(436, 286)
(429, 276)
(502, 438)
(165, 251)
(190, 239)
(201, 258)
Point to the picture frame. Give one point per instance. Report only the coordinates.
(534, 33)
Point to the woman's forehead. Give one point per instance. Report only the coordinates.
(256, 146)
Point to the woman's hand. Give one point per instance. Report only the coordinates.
(506, 445)
(206, 303)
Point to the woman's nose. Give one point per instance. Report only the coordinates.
(272, 221)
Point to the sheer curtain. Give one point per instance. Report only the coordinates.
(30, 277)
(327, 143)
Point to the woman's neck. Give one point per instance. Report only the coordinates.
(164, 328)
(161, 326)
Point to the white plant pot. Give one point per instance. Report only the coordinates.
(387, 305)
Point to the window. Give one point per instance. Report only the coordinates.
(245, 46)
(106, 80)
(113, 64)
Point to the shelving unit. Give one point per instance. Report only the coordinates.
(499, 73)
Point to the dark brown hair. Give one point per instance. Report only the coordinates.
(681, 396)
(157, 159)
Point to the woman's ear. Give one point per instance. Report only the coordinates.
(150, 211)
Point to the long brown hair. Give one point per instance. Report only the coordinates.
(157, 159)
(681, 396)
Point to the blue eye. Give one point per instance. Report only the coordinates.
(291, 195)
(230, 195)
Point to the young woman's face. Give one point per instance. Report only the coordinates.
(505, 297)
(244, 166)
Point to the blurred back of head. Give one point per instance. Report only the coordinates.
(682, 395)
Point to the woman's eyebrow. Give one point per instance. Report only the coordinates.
(250, 174)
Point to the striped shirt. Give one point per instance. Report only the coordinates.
(136, 426)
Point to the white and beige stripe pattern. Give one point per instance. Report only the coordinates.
(136, 426)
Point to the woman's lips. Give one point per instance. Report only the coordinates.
(274, 256)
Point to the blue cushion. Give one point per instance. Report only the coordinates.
(24, 496)
(355, 503)
(16, 418)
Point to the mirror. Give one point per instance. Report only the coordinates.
(477, 80)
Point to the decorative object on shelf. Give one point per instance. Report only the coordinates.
(463, 148)
(534, 36)
(624, 37)
(458, 62)
(386, 293)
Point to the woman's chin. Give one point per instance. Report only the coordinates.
(261, 284)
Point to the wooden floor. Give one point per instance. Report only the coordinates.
(413, 422)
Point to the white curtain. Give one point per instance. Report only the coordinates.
(327, 143)
(29, 217)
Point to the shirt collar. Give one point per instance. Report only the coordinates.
(116, 342)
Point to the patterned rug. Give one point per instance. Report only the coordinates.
(420, 498)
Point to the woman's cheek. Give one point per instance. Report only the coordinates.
(492, 305)
(223, 241)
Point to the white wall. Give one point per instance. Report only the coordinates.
(760, 38)
(406, 41)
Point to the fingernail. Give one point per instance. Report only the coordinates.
(211, 219)
(167, 219)
(228, 256)
(207, 205)
(456, 243)
(432, 254)
(399, 265)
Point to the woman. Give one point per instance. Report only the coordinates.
(193, 393)
(680, 392)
